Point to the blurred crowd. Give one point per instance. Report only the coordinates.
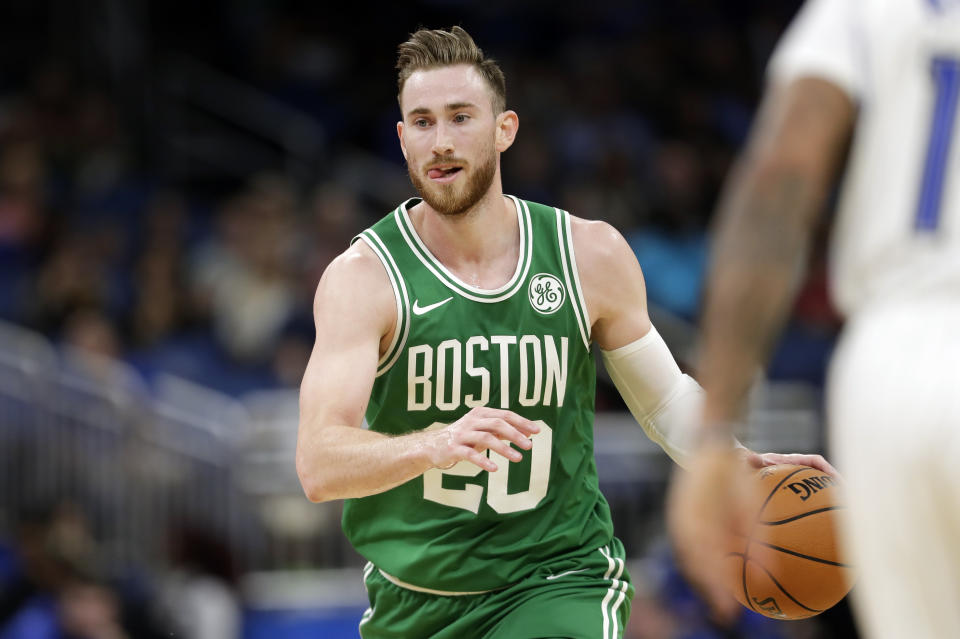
(114, 263)
(628, 113)
(56, 584)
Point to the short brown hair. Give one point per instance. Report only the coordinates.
(433, 48)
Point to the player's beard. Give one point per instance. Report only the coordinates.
(461, 195)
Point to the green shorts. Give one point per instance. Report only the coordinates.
(581, 596)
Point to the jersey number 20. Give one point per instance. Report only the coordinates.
(470, 496)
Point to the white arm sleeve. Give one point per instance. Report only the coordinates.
(666, 403)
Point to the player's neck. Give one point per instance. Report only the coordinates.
(480, 246)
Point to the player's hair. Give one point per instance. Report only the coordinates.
(433, 48)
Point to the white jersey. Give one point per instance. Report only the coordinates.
(897, 236)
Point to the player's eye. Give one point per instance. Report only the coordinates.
(460, 118)
(421, 123)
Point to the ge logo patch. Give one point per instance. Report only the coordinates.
(546, 293)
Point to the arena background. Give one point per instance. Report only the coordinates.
(174, 177)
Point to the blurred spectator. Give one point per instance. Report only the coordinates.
(76, 274)
(199, 593)
(161, 307)
(244, 273)
(101, 160)
(88, 610)
(291, 354)
(22, 222)
(59, 591)
(334, 215)
(90, 333)
(22, 174)
(672, 247)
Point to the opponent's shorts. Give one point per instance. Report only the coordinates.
(894, 408)
(580, 596)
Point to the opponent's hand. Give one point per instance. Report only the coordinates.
(707, 502)
(481, 429)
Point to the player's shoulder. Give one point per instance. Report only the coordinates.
(357, 261)
(607, 266)
(356, 275)
(610, 280)
(598, 244)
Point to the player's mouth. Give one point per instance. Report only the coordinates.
(444, 173)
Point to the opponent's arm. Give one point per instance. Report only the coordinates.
(766, 220)
(354, 311)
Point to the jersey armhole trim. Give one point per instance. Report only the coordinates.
(572, 276)
(400, 294)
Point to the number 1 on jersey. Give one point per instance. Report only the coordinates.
(946, 79)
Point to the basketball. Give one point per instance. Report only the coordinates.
(789, 564)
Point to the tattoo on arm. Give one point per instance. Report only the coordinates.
(767, 219)
(760, 256)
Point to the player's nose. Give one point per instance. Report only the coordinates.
(442, 143)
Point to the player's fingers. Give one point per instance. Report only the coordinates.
(814, 461)
(505, 430)
(487, 441)
(523, 424)
(818, 462)
(476, 457)
(504, 449)
(497, 445)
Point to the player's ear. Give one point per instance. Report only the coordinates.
(507, 125)
(403, 147)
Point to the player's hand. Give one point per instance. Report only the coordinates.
(480, 430)
(707, 502)
(759, 460)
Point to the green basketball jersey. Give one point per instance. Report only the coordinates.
(524, 347)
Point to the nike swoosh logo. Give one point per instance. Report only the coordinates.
(564, 574)
(420, 310)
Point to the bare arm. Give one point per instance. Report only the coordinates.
(613, 286)
(354, 310)
(766, 220)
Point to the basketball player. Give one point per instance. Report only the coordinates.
(461, 326)
(886, 75)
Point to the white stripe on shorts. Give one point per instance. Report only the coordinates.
(368, 613)
(617, 588)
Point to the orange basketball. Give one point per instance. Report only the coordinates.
(789, 565)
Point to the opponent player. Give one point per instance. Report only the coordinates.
(887, 73)
(461, 326)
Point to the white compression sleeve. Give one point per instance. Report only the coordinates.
(665, 402)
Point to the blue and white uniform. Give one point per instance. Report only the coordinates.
(894, 389)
